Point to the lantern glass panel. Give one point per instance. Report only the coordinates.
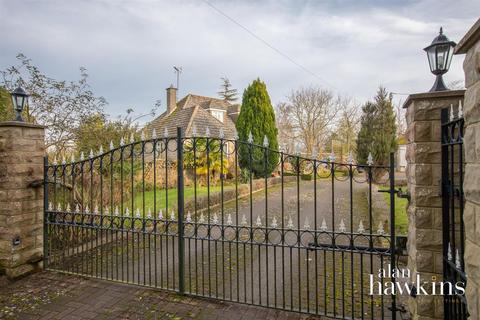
(431, 58)
(442, 57)
(20, 101)
(14, 101)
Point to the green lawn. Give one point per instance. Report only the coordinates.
(401, 219)
(189, 194)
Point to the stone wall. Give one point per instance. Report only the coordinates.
(424, 185)
(22, 150)
(470, 45)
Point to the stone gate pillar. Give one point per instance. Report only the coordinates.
(424, 186)
(470, 44)
(22, 150)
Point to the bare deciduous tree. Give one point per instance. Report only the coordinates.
(58, 105)
(307, 118)
(348, 124)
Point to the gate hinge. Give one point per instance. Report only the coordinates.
(36, 183)
(403, 194)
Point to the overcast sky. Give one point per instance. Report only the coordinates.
(129, 47)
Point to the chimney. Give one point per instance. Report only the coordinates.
(171, 99)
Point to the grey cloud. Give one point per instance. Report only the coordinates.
(129, 47)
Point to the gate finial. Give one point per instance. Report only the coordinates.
(274, 222)
(306, 225)
(290, 223)
(380, 228)
(244, 220)
(460, 109)
(350, 157)
(324, 227)
(342, 227)
(250, 137)
(370, 159)
(458, 263)
(265, 141)
(361, 228)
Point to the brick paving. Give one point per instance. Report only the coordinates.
(50, 295)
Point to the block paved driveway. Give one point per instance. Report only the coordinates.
(51, 295)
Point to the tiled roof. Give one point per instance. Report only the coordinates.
(192, 111)
(203, 119)
(178, 118)
(192, 100)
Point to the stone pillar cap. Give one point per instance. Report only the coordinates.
(20, 124)
(433, 95)
(469, 39)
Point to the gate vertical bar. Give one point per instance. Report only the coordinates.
(181, 239)
(392, 229)
(445, 207)
(45, 209)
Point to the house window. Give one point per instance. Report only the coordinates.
(218, 115)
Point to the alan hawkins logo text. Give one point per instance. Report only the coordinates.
(399, 281)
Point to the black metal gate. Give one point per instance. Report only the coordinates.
(455, 305)
(227, 219)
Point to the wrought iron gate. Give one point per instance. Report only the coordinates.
(226, 219)
(455, 305)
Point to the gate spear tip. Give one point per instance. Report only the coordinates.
(370, 159)
(250, 137)
(458, 263)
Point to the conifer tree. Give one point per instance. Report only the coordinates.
(377, 133)
(226, 92)
(258, 118)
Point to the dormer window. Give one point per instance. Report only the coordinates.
(218, 114)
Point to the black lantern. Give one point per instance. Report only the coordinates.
(439, 55)
(19, 98)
